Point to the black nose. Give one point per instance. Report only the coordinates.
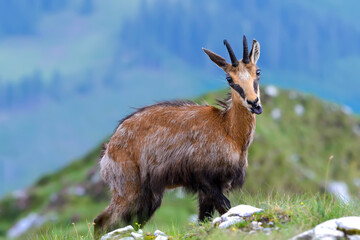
(257, 110)
(253, 103)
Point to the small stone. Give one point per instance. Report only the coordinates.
(161, 237)
(217, 220)
(136, 235)
(242, 211)
(254, 223)
(231, 221)
(118, 233)
(140, 231)
(159, 233)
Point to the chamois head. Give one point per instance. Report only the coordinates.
(243, 76)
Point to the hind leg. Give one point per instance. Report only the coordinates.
(118, 214)
(124, 179)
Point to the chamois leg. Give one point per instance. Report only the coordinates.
(117, 214)
(222, 204)
(124, 179)
(149, 201)
(206, 207)
(211, 198)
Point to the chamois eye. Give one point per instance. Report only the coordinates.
(258, 72)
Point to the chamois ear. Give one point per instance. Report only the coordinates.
(255, 52)
(218, 60)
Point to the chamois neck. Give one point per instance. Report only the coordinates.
(240, 121)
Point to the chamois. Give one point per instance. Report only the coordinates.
(180, 143)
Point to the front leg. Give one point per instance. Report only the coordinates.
(222, 204)
(211, 199)
(206, 207)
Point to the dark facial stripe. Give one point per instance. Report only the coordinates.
(256, 85)
(234, 86)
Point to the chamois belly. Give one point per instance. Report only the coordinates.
(191, 164)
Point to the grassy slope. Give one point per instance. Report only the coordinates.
(289, 156)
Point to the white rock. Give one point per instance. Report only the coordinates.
(271, 91)
(242, 211)
(327, 229)
(340, 190)
(217, 220)
(276, 114)
(348, 223)
(299, 109)
(231, 221)
(118, 233)
(305, 235)
(353, 237)
(161, 237)
(254, 223)
(136, 235)
(140, 231)
(159, 233)
(333, 229)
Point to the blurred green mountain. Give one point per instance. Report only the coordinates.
(295, 136)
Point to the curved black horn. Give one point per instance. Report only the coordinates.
(246, 58)
(233, 58)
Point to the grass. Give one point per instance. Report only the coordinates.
(291, 215)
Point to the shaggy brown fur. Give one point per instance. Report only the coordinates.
(180, 143)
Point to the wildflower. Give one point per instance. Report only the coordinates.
(301, 203)
(233, 229)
